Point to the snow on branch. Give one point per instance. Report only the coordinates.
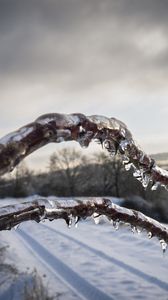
(76, 209)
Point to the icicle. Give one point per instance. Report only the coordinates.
(145, 181)
(122, 132)
(81, 129)
(150, 235)
(126, 159)
(133, 229)
(141, 159)
(116, 224)
(77, 218)
(123, 145)
(42, 218)
(11, 168)
(109, 145)
(163, 245)
(72, 221)
(128, 166)
(85, 140)
(137, 173)
(96, 218)
(69, 221)
(16, 227)
(138, 230)
(155, 186)
(83, 144)
(51, 202)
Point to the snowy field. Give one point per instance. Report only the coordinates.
(88, 262)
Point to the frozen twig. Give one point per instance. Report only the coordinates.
(81, 208)
(114, 136)
(110, 132)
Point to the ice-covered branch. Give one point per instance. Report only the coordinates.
(76, 209)
(110, 132)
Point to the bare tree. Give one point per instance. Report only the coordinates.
(22, 181)
(68, 162)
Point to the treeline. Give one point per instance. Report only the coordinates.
(70, 173)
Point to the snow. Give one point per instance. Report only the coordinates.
(91, 261)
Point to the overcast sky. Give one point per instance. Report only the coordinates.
(106, 57)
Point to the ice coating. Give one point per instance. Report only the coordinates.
(73, 210)
(61, 120)
(16, 136)
(111, 133)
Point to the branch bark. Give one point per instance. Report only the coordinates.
(113, 135)
(110, 132)
(43, 208)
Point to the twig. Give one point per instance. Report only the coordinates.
(110, 132)
(114, 136)
(43, 208)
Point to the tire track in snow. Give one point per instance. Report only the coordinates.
(77, 283)
(119, 263)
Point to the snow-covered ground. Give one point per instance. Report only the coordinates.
(91, 261)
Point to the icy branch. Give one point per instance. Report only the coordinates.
(76, 209)
(110, 132)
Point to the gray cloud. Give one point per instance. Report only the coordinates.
(68, 55)
(81, 43)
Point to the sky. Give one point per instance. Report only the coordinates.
(106, 57)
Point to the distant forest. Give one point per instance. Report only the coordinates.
(70, 173)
